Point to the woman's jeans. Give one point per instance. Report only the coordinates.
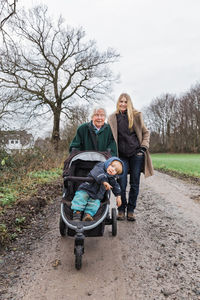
(132, 165)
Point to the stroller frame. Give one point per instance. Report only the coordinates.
(82, 229)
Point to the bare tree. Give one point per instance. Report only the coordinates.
(7, 9)
(189, 120)
(78, 116)
(195, 118)
(159, 117)
(54, 65)
(10, 105)
(175, 122)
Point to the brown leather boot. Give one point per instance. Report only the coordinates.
(87, 217)
(131, 216)
(121, 216)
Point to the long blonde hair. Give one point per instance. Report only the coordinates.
(131, 111)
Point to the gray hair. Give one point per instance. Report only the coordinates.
(96, 109)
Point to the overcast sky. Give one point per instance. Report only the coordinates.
(159, 41)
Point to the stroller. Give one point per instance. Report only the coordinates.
(76, 169)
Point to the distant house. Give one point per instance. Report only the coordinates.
(16, 140)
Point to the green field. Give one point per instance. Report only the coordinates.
(184, 164)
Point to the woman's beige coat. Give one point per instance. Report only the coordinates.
(143, 137)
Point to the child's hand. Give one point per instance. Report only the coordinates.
(118, 201)
(107, 186)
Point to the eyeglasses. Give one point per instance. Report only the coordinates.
(99, 115)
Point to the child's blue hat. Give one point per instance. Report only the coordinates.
(108, 162)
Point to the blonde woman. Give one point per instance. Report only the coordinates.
(132, 139)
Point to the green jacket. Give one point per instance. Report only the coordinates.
(87, 139)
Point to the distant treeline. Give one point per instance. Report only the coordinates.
(174, 122)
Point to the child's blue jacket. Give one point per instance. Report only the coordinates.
(96, 189)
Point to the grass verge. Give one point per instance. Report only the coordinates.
(10, 192)
(23, 200)
(182, 165)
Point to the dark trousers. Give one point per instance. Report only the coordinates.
(132, 165)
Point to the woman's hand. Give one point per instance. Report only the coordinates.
(118, 201)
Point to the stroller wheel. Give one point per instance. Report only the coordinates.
(114, 221)
(62, 227)
(78, 258)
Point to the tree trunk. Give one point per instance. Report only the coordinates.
(56, 129)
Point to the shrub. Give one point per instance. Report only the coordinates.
(17, 165)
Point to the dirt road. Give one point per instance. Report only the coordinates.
(156, 257)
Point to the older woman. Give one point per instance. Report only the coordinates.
(132, 139)
(95, 135)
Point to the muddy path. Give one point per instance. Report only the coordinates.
(156, 257)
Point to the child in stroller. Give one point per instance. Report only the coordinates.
(76, 170)
(89, 194)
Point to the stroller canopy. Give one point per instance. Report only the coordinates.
(84, 156)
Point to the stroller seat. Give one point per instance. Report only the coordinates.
(77, 174)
